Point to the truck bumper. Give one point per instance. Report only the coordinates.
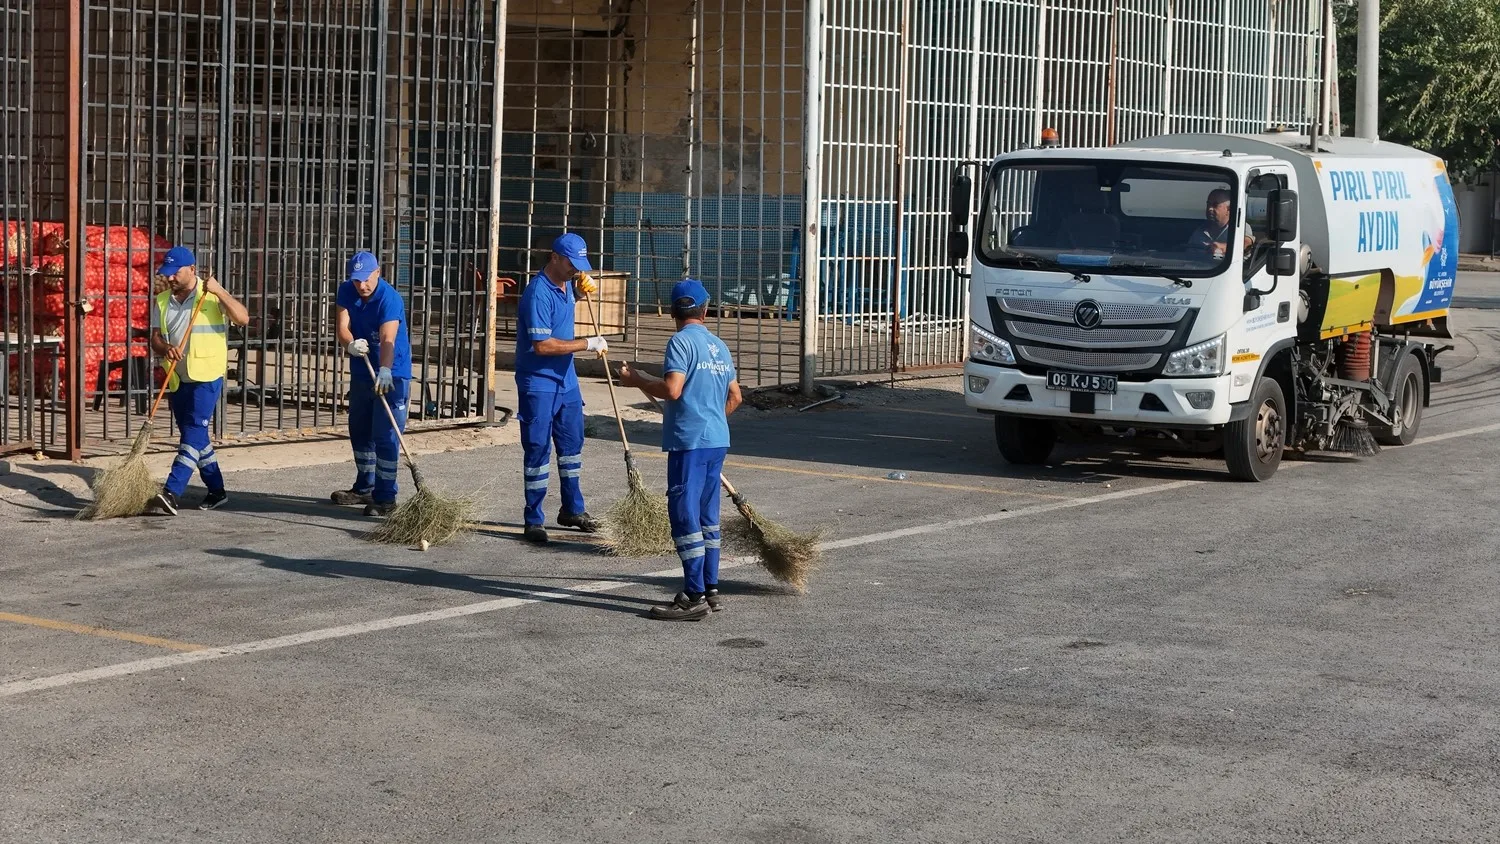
(1162, 403)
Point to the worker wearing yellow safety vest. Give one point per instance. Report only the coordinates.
(196, 375)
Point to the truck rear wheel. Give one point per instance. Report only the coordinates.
(1407, 405)
(1024, 442)
(1253, 445)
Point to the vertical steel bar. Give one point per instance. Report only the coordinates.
(1040, 93)
(898, 211)
(77, 192)
(492, 264)
(1168, 62)
(812, 160)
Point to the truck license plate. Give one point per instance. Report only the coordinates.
(1081, 382)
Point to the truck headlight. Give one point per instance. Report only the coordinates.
(1206, 358)
(987, 347)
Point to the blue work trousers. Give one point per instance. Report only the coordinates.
(377, 449)
(693, 508)
(193, 406)
(547, 419)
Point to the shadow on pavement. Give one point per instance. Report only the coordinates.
(419, 576)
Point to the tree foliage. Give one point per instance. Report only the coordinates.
(1439, 77)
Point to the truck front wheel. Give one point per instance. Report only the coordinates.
(1253, 445)
(1024, 442)
(1407, 405)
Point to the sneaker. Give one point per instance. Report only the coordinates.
(164, 502)
(536, 535)
(380, 509)
(682, 608)
(582, 521)
(214, 500)
(349, 497)
(715, 603)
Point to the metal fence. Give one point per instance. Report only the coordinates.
(668, 133)
(275, 140)
(940, 81)
(681, 137)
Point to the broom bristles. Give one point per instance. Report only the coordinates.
(637, 525)
(788, 556)
(425, 515)
(1355, 437)
(126, 489)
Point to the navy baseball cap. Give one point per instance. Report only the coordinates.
(572, 247)
(361, 266)
(690, 288)
(177, 258)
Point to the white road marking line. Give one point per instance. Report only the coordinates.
(20, 687)
(1453, 435)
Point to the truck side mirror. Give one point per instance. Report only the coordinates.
(958, 200)
(958, 247)
(1283, 262)
(1281, 216)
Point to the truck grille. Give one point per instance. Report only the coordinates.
(1113, 313)
(1089, 361)
(1098, 338)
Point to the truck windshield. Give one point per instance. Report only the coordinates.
(1134, 218)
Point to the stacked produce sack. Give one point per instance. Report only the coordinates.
(118, 286)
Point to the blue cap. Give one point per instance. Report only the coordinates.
(361, 266)
(177, 258)
(690, 288)
(571, 246)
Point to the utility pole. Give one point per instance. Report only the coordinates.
(1367, 85)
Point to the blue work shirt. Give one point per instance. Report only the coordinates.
(546, 312)
(697, 419)
(365, 318)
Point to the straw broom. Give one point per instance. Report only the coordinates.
(425, 518)
(636, 525)
(126, 489)
(787, 555)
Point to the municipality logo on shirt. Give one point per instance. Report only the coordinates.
(717, 367)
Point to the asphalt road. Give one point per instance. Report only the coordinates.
(1121, 647)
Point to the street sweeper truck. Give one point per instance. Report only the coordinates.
(1251, 293)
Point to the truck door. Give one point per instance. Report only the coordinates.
(1260, 249)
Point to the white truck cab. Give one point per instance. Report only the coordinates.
(1210, 290)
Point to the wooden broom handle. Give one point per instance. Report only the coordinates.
(608, 376)
(181, 347)
(723, 481)
(400, 440)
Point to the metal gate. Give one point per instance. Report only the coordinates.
(940, 81)
(31, 413)
(668, 133)
(274, 139)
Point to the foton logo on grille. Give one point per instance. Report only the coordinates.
(1086, 314)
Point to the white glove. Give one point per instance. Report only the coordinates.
(358, 348)
(383, 382)
(598, 344)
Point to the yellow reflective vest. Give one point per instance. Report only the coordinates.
(207, 353)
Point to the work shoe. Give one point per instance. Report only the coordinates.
(582, 521)
(682, 608)
(214, 500)
(715, 603)
(352, 497)
(535, 534)
(378, 508)
(164, 502)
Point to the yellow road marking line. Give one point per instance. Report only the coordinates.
(740, 464)
(102, 632)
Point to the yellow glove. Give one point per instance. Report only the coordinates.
(586, 284)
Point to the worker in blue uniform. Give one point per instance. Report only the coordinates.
(699, 389)
(370, 316)
(551, 406)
